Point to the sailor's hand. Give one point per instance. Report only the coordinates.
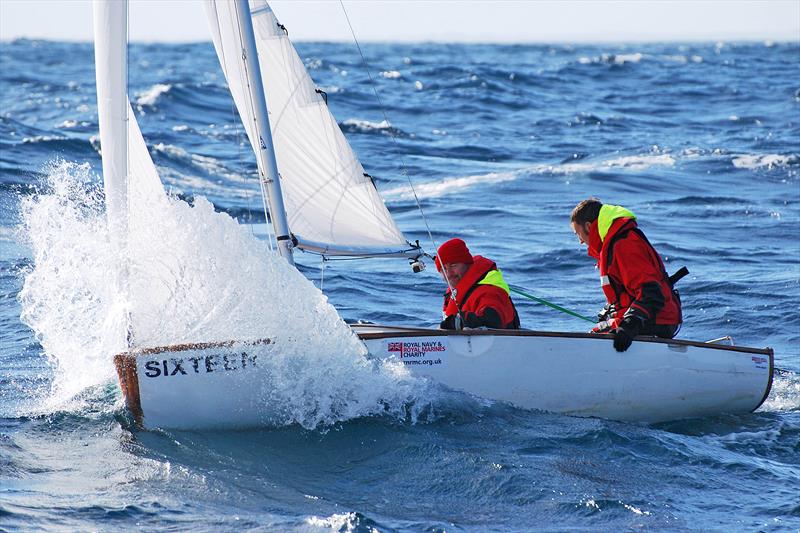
(606, 313)
(622, 340)
(603, 327)
(448, 323)
(627, 330)
(473, 321)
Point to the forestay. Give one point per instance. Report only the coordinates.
(332, 206)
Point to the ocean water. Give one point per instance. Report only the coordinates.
(701, 141)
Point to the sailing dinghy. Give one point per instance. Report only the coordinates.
(320, 200)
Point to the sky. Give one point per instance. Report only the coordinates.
(435, 20)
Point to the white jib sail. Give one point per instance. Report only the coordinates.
(130, 179)
(332, 207)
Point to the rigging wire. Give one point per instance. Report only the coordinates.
(237, 123)
(403, 168)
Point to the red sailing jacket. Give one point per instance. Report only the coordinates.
(631, 273)
(475, 297)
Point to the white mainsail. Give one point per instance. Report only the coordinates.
(331, 204)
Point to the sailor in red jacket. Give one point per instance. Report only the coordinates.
(638, 290)
(478, 290)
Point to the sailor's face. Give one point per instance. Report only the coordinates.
(453, 272)
(582, 231)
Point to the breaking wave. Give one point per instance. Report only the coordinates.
(195, 275)
(457, 184)
(768, 161)
(150, 97)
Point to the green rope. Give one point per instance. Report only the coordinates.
(554, 306)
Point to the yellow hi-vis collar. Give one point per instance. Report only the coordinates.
(608, 214)
(495, 277)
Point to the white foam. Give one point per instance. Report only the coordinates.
(366, 125)
(336, 522)
(66, 298)
(42, 138)
(633, 509)
(447, 186)
(621, 59)
(633, 162)
(784, 396)
(678, 58)
(616, 59)
(195, 276)
(151, 96)
(753, 161)
(391, 74)
(458, 184)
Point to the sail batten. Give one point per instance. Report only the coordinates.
(327, 196)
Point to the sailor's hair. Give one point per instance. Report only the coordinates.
(586, 211)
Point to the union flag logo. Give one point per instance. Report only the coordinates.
(396, 347)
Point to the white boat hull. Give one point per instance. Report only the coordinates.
(583, 375)
(222, 385)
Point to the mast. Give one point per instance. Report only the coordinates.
(111, 70)
(265, 153)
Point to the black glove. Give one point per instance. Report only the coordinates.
(627, 330)
(473, 321)
(489, 319)
(448, 323)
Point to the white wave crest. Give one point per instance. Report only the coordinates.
(769, 161)
(42, 138)
(366, 125)
(632, 162)
(458, 184)
(615, 59)
(151, 96)
(447, 186)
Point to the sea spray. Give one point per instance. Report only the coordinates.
(67, 298)
(195, 275)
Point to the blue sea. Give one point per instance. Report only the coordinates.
(700, 140)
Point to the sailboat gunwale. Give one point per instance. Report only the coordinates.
(728, 373)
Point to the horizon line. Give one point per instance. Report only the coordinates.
(710, 40)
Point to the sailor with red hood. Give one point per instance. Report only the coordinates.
(638, 290)
(475, 288)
